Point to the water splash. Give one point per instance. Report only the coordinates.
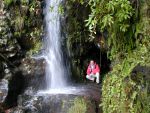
(65, 90)
(55, 69)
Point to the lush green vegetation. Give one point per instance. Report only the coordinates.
(80, 105)
(25, 21)
(125, 90)
(127, 24)
(115, 17)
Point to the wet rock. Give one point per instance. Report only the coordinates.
(29, 76)
(140, 75)
(33, 67)
(33, 70)
(140, 72)
(9, 47)
(15, 110)
(8, 73)
(37, 102)
(14, 46)
(59, 103)
(3, 89)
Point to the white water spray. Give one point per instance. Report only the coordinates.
(55, 69)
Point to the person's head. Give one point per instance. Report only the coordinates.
(92, 62)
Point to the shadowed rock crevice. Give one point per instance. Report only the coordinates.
(29, 75)
(16, 86)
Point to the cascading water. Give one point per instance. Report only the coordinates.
(55, 69)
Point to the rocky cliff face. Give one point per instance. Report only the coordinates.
(21, 29)
(21, 32)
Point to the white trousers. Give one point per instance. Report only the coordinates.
(93, 76)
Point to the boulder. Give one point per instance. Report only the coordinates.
(32, 67)
(59, 103)
(33, 70)
(29, 74)
(84, 99)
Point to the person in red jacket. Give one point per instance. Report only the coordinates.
(93, 71)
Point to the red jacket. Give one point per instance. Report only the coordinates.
(94, 71)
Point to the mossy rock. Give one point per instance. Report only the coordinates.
(82, 105)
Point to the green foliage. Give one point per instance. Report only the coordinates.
(120, 92)
(61, 9)
(33, 6)
(106, 16)
(79, 106)
(77, 33)
(51, 8)
(37, 45)
(25, 22)
(8, 2)
(19, 23)
(24, 2)
(126, 91)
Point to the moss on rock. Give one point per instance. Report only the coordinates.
(126, 89)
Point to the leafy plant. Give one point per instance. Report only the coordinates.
(24, 23)
(79, 106)
(8, 2)
(106, 16)
(61, 9)
(124, 89)
(19, 23)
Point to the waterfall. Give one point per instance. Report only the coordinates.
(55, 69)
